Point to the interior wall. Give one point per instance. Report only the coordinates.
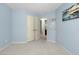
(19, 26)
(5, 25)
(67, 31)
(19, 29)
(51, 31)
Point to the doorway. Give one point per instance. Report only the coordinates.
(43, 28)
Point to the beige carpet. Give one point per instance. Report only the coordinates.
(38, 47)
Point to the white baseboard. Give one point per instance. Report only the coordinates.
(65, 49)
(51, 41)
(19, 42)
(68, 51)
(7, 45)
(61, 46)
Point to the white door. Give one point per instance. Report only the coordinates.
(30, 28)
(33, 26)
(37, 28)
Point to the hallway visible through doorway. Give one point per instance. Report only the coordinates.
(43, 27)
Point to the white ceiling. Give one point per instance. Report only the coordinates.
(38, 8)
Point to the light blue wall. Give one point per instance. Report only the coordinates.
(67, 31)
(19, 25)
(51, 32)
(5, 25)
(19, 29)
(51, 27)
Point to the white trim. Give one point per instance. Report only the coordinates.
(7, 45)
(60, 46)
(65, 49)
(19, 42)
(51, 41)
(68, 51)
